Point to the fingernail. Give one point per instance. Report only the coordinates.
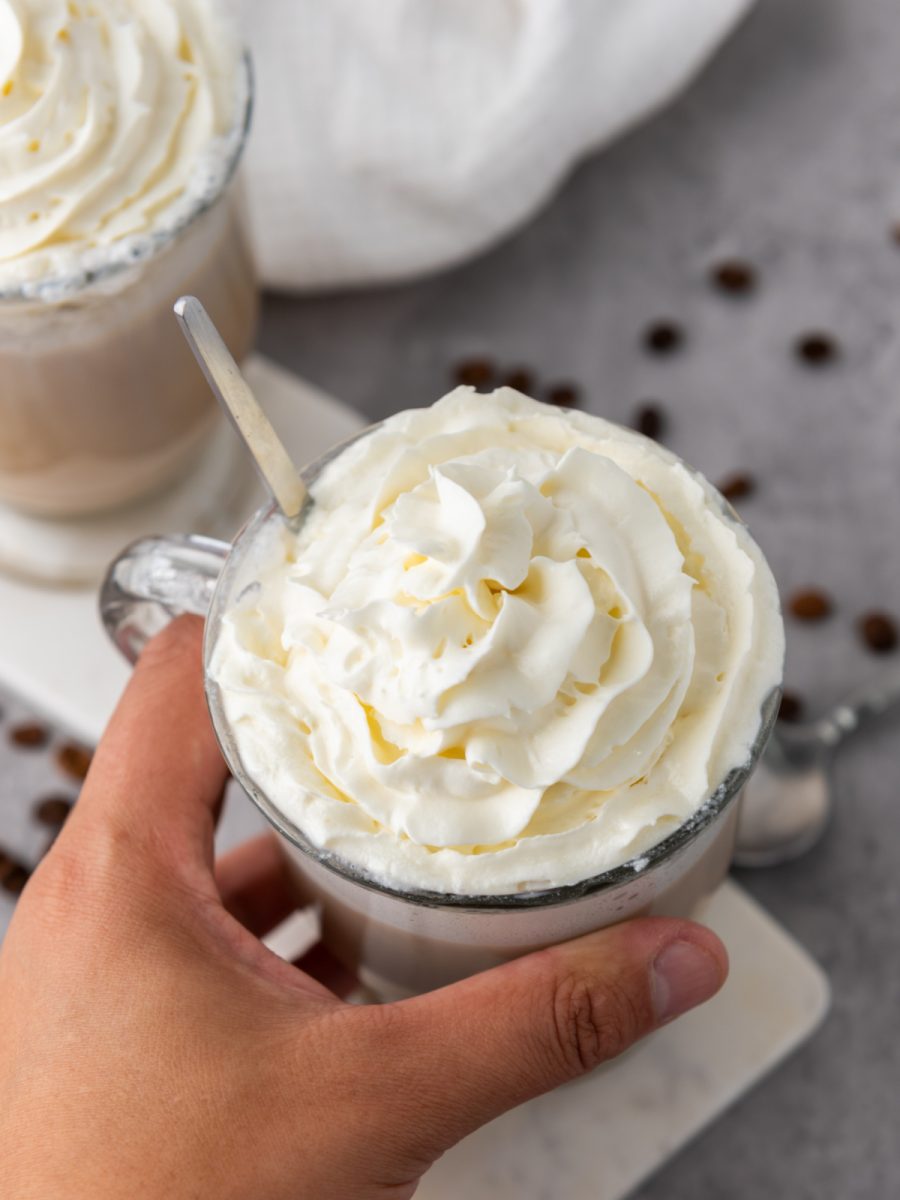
(683, 976)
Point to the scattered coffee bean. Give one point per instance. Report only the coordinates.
(663, 337)
(895, 233)
(521, 379)
(53, 810)
(13, 875)
(475, 372)
(738, 486)
(566, 395)
(650, 420)
(811, 604)
(816, 349)
(733, 276)
(791, 707)
(14, 881)
(879, 632)
(73, 760)
(30, 735)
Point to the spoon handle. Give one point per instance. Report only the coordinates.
(874, 699)
(222, 374)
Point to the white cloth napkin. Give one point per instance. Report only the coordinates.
(395, 136)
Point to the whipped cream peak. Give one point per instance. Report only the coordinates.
(510, 646)
(110, 112)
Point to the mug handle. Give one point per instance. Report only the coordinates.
(155, 580)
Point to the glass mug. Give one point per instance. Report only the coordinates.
(398, 941)
(101, 402)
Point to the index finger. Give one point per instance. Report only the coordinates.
(158, 768)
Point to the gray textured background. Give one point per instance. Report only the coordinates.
(787, 151)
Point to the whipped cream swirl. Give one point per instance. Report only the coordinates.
(511, 647)
(108, 109)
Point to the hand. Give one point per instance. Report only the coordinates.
(152, 1047)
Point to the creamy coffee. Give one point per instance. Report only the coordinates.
(511, 647)
(120, 125)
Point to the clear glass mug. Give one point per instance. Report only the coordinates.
(101, 402)
(402, 942)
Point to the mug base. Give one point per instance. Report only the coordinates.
(211, 498)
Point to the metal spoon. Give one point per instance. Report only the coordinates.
(233, 392)
(787, 800)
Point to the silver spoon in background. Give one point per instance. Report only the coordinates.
(787, 800)
(233, 392)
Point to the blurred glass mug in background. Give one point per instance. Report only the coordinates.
(404, 940)
(101, 402)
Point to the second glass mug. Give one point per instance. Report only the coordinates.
(401, 942)
(101, 403)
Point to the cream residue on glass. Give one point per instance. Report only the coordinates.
(110, 111)
(511, 647)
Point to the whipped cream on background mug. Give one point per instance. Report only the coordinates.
(121, 123)
(500, 686)
(105, 109)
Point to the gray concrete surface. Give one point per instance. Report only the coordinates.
(787, 151)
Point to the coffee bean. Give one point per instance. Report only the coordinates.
(738, 486)
(791, 707)
(475, 372)
(650, 420)
(52, 810)
(521, 379)
(13, 874)
(565, 395)
(14, 882)
(879, 632)
(73, 760)
(810, 604)
(816, 349)
(663, 337)
(895, 233)
(733, 276)
(30, 735)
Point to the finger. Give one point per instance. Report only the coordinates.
(256, 886)
(488, 1043)
(158, 772)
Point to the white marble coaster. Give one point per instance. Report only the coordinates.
(599, 1138)
(594, 1140)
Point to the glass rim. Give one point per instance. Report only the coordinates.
(636, 867)
(57, 288)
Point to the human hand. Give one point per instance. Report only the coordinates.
(153, 1047)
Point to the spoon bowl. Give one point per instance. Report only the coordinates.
(785, 806)
(786, 802)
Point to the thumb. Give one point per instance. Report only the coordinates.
(490, 1042)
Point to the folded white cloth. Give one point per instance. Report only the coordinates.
(395, 136)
